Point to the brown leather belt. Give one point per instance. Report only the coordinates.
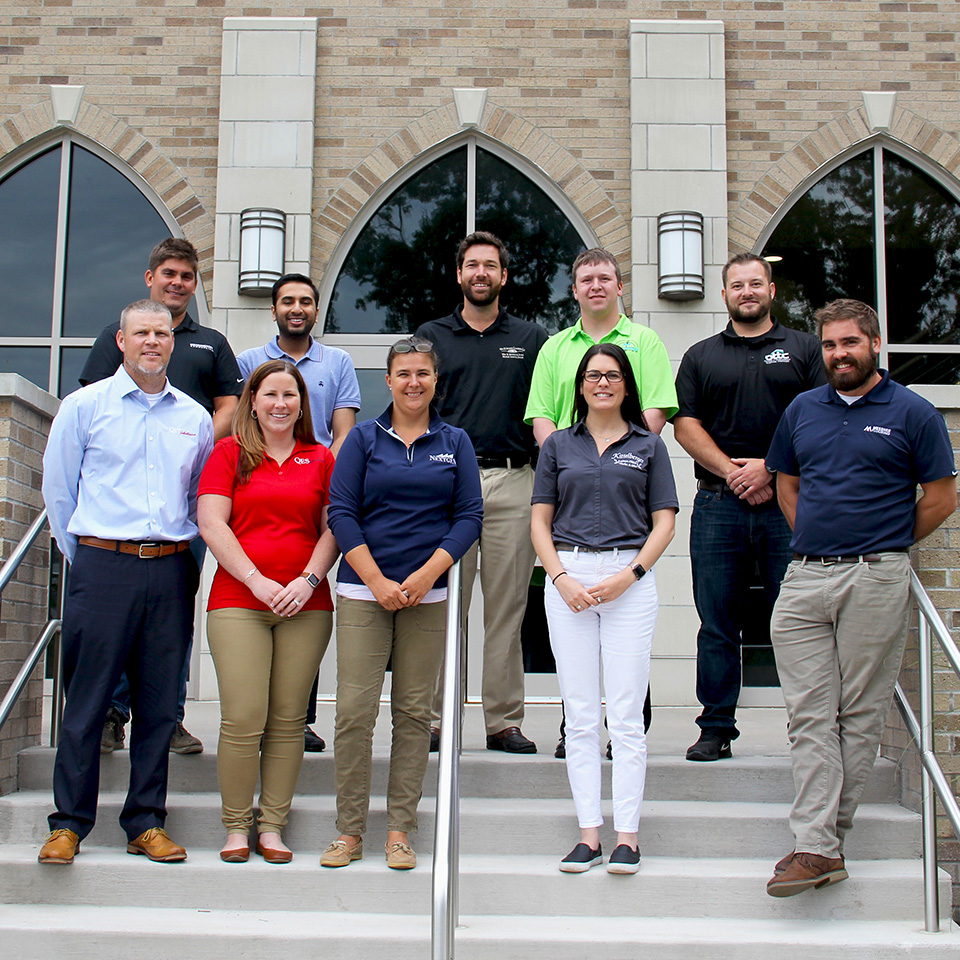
(146, 550)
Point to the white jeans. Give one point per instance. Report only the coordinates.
(618, 636)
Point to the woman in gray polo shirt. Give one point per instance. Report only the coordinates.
(604, 510)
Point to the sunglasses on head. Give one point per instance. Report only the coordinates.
(413, 346)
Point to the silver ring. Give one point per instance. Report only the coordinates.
(297, 602)
(578, 606)
(599, 599)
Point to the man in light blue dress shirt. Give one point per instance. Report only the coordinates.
(120, 477)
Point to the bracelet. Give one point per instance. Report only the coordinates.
(558, 576)
(250, 574)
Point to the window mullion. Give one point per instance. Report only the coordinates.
(880, 252)
(60, 266)
(471, 186)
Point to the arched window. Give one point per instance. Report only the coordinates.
(399, 270)
(880, 229)
(76, 235)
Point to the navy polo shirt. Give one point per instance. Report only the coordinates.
(738, 387)
(859, 466)
(484, 379)
(202, 364)
(604, 502)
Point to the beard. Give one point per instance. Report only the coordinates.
(481, 298)
(760, 316)
(862, 369)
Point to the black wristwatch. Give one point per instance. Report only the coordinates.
(311, 578)
(638, 571)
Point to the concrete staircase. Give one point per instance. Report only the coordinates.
(710, 835)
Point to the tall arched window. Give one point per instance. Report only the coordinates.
(400, 267)
(878, 228)
(75, 234)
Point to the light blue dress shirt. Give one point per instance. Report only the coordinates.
(328, 373)
(122, 468)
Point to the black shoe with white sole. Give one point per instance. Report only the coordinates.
(624, 859)
(581, 858)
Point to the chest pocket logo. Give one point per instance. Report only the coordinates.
(630, 460)
(777, 356)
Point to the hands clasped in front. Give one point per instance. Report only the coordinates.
(284, 601)
(395, 596)
(579, 598)
(751, 481)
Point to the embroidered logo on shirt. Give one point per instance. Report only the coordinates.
(202, 346)
(630, 460)
(631, 345)
(778, 356)
(886, 431)
(512, 353)
(301, 459)
(444, 458)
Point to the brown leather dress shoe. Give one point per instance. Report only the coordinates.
(510, 740)
(155, 844)
(61, 846)
(806, 871)
(274, 855)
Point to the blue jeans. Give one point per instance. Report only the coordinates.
(121, 694)
(727, 536)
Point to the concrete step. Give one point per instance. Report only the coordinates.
(665, 887)
(676, 828)
(487, 774)
(169, 934)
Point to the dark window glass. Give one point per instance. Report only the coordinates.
(827, 245)
(71, 363)
(112, 228)
(33, 363)
(375, 396)
(925, 367)
(923, 266)
(29, 198)
(541, 240)
(401, 270)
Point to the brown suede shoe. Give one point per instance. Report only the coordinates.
(61, 846)
(156, 845)
(782, 865)
(806, 870)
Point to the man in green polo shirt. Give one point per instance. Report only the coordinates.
(597, 286)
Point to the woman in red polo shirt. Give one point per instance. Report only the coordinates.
(262, 511)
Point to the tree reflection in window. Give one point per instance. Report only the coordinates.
(827, 242)
(401, 269)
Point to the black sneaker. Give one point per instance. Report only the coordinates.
(710, 746)
(581, 858)
(434, 739)
(113, 734)
(312, 743)
(561, 752)
(624, 859)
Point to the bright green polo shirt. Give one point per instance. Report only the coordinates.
(551, 392)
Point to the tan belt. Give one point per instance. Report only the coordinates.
(147, 550)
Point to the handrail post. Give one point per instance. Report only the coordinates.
(56, 697)
(446, 851)
(931, 899)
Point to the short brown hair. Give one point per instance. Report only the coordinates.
(173, 248)
(742, 258)
(591, 258)
(482, 237)
(144, 306)
(863, 315)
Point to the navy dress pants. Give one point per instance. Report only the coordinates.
(121, 613)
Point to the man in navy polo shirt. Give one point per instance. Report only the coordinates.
(848, 458)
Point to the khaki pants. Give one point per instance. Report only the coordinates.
(506, 563)
(265, 666)
(838, 633)
(367, 636)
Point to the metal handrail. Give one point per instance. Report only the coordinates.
(446, 848)
(51, 630)
(933, 780)
(10, 565)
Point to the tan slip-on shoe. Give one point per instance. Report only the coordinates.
(400, 856)
(340, 853)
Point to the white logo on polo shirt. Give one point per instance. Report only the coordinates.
(444, 458)
(202, 346)
(301, 459)
(512, 353)
(778, 356)
(629, 460)
(886, 431)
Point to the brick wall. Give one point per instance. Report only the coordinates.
(25, 416)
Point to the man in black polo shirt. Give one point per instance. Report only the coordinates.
(486, 364)
(732, 389)
(204, 367)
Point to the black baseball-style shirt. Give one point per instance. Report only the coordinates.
(202, 364)
(738, 387)
(484, 379)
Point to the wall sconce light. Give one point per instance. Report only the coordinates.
(680, 253)
(262, 234)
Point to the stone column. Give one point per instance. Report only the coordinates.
(26, 412)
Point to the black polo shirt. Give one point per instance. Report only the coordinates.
(738, 387)
(485, 379)
(604, 502)
(202, 364)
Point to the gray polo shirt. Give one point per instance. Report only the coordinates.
(604, 502)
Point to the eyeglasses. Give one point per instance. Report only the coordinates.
(413, 346)
(594, 376)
